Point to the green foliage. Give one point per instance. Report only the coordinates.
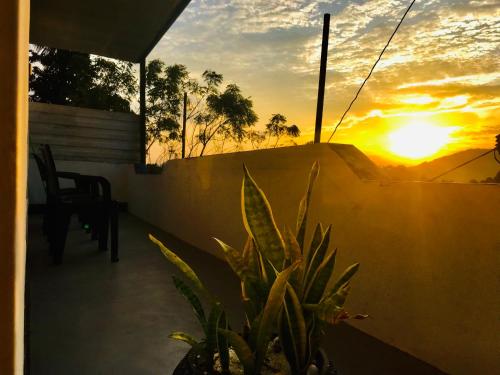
(304, 206)
(183, 267)
(270, 315)
(253, 352)
(242, 349)
(309, 297)
(78, 79)
(212, 115)
(226, 113)
(193, 299)
(286, 290)
(259, 222)
(184, 337)
(165, 86)
(214, 340)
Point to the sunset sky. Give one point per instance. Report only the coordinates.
(437, 84)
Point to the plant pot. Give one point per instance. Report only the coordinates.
(147, 168)
(324, 365)
(193, 364)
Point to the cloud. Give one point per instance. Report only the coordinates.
(444, 50)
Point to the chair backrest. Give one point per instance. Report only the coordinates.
(41, 169)
(52, 182)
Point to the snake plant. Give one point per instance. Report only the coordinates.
(284, 282)
(212, 325)
(216, 328)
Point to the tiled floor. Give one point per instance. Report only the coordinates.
(90, 316)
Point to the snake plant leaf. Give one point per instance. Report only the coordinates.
(223, 343)
(329, 313)
(331, 310)
(253, 331)
(293, 333)
(242, 350)
(320, 279)
(360, 316)
(343, 280)
(212, 327)
(292, 247)
(250, 258)
(193, 299)
(294, 255)
(338, 299)
(184, 268)
(259, 221)
(267, 270)
(270, 313)
(254, 292)
(314, 332)
(181, 336)
(234, 259)
(317, 257)
(315, 241)
(304, 205)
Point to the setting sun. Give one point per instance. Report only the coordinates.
(419, 140)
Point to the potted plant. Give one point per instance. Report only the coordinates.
(288, 293)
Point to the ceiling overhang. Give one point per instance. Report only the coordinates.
(121, 29)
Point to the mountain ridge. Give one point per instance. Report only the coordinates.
(477, 171)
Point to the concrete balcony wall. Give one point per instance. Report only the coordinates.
(429, 253)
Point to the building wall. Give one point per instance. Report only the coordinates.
(84, 134)
(85, 141)
(429, 253)
(14, 27)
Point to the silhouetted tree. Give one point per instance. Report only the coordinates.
(276, 127)
(165, 87)
(228, 113)
(493, 180)
(256, 138)
(77, 79)
(165, 90)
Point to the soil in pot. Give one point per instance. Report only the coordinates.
(195, 363)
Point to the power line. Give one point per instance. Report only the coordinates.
(461, 165)
(494, 150)
(371, 70)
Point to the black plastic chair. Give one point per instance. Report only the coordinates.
(78, 188)
(90, 199)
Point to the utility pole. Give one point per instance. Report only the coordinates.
(142, 110)
(184, 126)
(322, 78)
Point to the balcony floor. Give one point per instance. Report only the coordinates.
(90, 316)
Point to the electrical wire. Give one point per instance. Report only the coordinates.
(371, 71)
(461, 165)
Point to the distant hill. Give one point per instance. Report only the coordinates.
(478, 170)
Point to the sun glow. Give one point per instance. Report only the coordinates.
(419, 140)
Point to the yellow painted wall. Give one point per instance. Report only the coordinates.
(429, 253)
(14, 28)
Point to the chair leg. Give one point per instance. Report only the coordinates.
(51, 226)
(45, 223)
(94, 230)
(103, 220)
(114, 231)
(60, 234)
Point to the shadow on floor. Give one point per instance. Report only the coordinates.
(90, 316)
